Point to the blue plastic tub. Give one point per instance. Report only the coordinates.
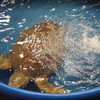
(79, 70)
(19, 94)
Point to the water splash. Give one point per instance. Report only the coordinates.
(79, 69)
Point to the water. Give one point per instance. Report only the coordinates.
(80, 66)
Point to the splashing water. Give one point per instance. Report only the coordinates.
(80, 66)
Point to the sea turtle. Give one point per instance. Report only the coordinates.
(35, 54)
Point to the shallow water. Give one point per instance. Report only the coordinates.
(80, 66)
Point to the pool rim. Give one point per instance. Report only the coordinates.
(21, 93)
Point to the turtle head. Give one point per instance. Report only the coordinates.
(18, 80)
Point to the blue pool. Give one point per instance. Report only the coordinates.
(80, 66)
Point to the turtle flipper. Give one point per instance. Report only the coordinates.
(44, 85)
(18, 80)
(4, 62)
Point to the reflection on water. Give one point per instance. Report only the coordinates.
(80, 67)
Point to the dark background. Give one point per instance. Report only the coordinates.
(2, 97)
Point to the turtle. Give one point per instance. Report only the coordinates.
(35, 54)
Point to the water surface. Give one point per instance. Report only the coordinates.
(80, 66)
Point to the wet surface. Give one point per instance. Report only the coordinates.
(80, 66)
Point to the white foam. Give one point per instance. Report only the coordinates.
(89, 44)
(80, 61)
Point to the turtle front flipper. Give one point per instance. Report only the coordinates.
(4, 62)
(18, 80)
(44, 85)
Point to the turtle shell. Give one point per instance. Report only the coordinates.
(38, 50)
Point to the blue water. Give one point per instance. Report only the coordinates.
(80, 66)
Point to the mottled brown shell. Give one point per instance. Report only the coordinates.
(38, 50)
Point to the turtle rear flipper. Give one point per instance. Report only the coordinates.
(4, 62)
(44, 85)
(18, 80)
